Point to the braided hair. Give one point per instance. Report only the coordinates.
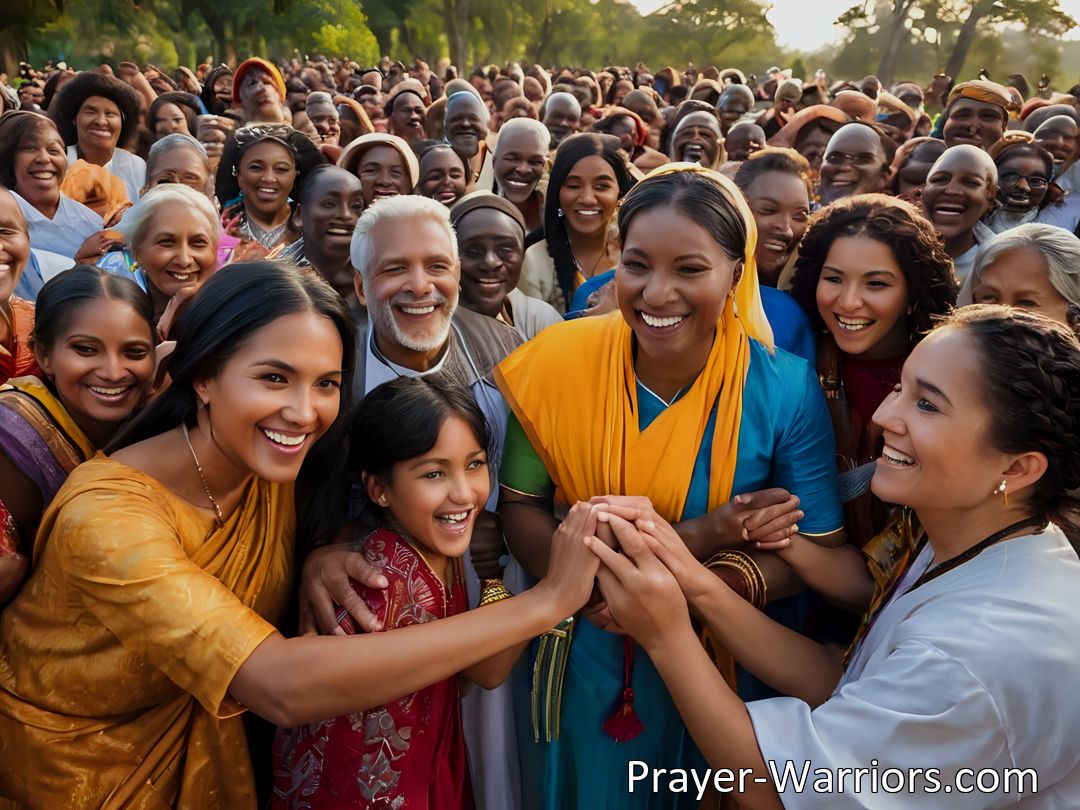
(1030, 375)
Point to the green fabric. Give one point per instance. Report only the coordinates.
(521, 469)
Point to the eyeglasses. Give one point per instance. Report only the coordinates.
(1034, 181)
(861, 159)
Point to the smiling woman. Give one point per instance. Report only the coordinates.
(871, 276)
(94, 341)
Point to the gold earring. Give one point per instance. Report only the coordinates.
(382, 500)
(1003, 490)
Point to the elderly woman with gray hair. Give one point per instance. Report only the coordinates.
(1031, 266)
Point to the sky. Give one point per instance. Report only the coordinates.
(808, 26)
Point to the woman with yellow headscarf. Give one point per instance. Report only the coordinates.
(680, 397)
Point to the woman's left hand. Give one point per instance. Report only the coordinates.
(641, 593)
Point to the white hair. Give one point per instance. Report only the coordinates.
(404, 206)
(528, 125)
(137, 219)
(1059, 249)
(178, 140)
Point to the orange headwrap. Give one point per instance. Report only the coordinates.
(260, 64)
(982, 90)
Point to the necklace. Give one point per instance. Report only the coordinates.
(202, 477)
(977, 549)
(266, 238)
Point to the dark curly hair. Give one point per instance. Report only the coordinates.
(919, 251)
(90, 83)
(575, 148)
(1030, 378)
(773, 159)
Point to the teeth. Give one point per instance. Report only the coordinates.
(779, 247)
(894, 456)
(418, 310)
(266, 190)
(456, 517)
(281, 438)
(339, 231)
(181, 276)
(853, 324)
(588, 212)
(655, 322)
(109, 392)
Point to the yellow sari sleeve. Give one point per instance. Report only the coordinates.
(130, 570)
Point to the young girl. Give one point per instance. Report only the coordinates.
(421, 446)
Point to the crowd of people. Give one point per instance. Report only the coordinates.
(388, 438)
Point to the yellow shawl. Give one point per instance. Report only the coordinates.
(116, 657)
(573, 390)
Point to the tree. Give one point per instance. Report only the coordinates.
(1037, 16)
(17, 24)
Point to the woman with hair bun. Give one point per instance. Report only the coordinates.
(970, 654)
(675, 398)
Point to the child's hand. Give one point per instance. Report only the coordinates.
(572, 567)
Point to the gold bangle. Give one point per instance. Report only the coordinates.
(754, 579)
(491, 591)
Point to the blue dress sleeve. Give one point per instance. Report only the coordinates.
(581, 296)
(804, 461)
(791, 329)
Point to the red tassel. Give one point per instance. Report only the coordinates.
(625, 724)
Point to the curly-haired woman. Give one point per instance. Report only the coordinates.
(871, 275)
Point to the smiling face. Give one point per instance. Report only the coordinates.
(957, 192)
(435, 498)
(98, 123)
(40, 164)
(1023, 180)
(14, 245)
(410, 286)
(589, 195)
(407, 117)
(324, 118)
(697, 139)
(442, 176)
(672, 283)
(492, 247)
(854, 164)
(518, 164)
(466, 123)
(182, 166)
(276, 396)
(978, 123)
(937, 452)
(780, 203)
(382, 173)
(562, 117)
(862, 297)
(169, 119)
(329, 215)
(266, 175)
(1021, 278)
(101, 364)
(178, 248)
(1059, 136)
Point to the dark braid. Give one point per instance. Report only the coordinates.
(1031, 382)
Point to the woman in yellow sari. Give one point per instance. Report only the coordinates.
(679, 396)
(146, 627)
